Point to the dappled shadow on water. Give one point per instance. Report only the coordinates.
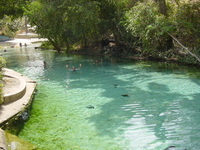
(116, 113)
(158, 106)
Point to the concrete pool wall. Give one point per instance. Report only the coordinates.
(18, 93)
(15, 92)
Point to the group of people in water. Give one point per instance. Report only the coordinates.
(73, 69)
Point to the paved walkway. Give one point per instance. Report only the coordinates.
(18, 91)
(16, 42)
(7, 111)
(12, 109)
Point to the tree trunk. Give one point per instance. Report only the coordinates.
(84, 40)
(57, 48)
(67, 44)
(162, 7)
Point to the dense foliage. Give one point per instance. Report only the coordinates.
(8, 26)
(65, 22)
(150, 27)
(10, 10)
(188, 23)
(124, 27)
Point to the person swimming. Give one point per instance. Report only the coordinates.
(73, 69)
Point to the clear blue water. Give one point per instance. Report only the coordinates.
(85, 110)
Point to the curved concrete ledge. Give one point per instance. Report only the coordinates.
(18, 101)
(17, 93)
(20, 97)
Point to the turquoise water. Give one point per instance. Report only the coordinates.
(85, 110)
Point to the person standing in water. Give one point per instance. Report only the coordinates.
(73, 69)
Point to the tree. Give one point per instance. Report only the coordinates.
(8, 26)
(188, 22)
(10, 11)
(12, 8)
(64, 22)
(111, 14)
(145, 22)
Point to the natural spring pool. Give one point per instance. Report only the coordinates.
(85, 110)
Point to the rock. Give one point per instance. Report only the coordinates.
(125, 95)
(90, 107)
(170, 148)
(115, 85)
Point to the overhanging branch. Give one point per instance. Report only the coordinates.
(192, 54)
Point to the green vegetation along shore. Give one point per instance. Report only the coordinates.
(152, 29)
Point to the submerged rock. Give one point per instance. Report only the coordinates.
(115, 85)
(125, 95)
(90, 106)
(170, 148)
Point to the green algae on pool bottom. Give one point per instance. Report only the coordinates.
(66, 122)
(161, 109)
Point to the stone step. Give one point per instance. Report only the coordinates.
(13, 107)
(15, 92)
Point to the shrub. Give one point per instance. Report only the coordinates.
(46, 45)
(2, 65)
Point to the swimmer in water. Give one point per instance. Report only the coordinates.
(73, 69)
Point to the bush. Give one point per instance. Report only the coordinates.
(46, 45)
(2, 65)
